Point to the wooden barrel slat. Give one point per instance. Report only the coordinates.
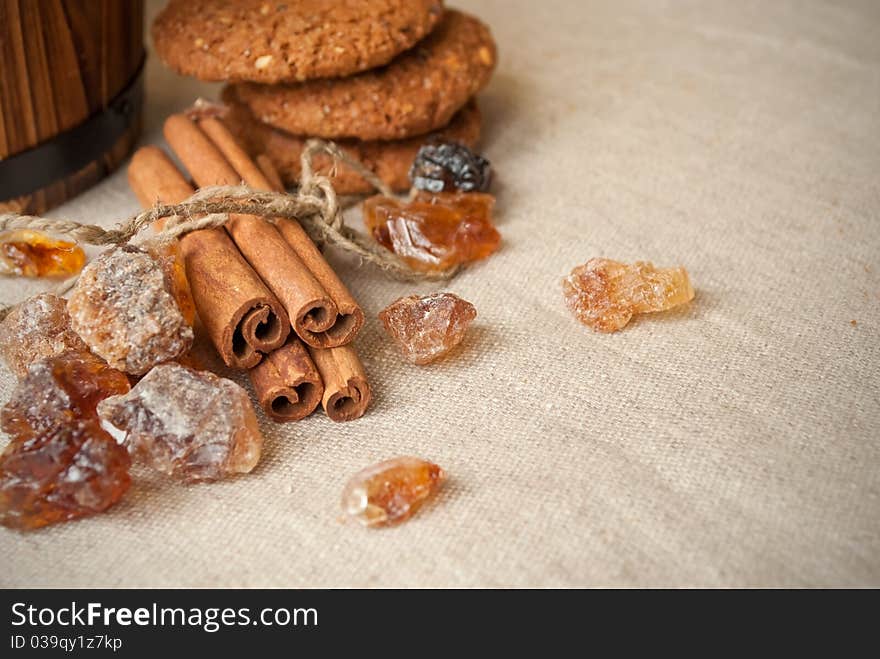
(68, 92)
(6, 86)
(61, 61)
(18, 114)
(89, 50)
(41, 100)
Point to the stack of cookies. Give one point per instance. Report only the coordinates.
(379, 77)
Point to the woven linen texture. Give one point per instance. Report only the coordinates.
(732, 442)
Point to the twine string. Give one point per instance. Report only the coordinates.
(314, 204)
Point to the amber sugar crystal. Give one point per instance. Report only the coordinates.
(429, 327)
(60, 463)
(61, 473)
(35, 329)
(170, 259)
(605, 294)
(123, 309)
(391, 491)
(434, 232)
(28, 253)
(60, 390)
(191, 425)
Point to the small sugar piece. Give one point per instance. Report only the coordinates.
(29, 253)
(171, 261)
(38, 327)
(123, 310)
(61, 473)
(434, 232)
(59, 391)
(427, 328)
(605, 294)
(391, 491)
(192, 425)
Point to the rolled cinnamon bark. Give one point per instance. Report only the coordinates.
(346, 390)
(287, 382)
(269, 171)
(241, 316)
(310, 308)
(350, 317)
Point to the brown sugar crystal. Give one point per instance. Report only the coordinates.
(60, 463)
(605, 294)
(29, 253)
(189, 424)
(427, 328)
(122, 309)
(434, 232)
(391, 491)
(37, 328)
(60, 390)
(61, 473)
(171, 261)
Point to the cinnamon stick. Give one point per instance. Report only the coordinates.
(241, 316)
(351, 316)
(268, 168)
(287, 383)
(310, 308)
(346, 390)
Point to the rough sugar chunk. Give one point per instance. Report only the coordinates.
(122, 309)
(38, 327)
(427, 328)
(189, 424)
(29, 253)
(605, 294)
(61, 473)
(58, 391)
(391, 491)
(434, 232)
(60, 463)
(171, 261)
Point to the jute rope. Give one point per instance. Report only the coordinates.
(315, 205)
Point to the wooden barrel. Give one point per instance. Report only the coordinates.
(70, 96)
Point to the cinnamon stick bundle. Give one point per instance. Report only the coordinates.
(350, 316)
(286, 381)
(311, 310)
(242, 317)
(347, 392)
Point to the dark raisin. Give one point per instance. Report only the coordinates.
(446, 166)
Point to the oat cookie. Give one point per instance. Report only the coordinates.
(415, 94)
(288, 41)
(390, 160)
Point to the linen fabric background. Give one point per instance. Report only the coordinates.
(733, 442)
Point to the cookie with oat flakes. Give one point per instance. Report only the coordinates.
(416, 93)
(271, 42)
